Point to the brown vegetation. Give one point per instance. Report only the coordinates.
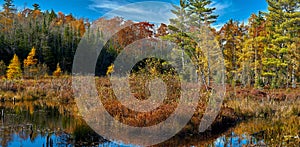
(239, 104)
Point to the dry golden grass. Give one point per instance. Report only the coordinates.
(239, 104)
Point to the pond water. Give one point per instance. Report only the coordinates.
(43, 124)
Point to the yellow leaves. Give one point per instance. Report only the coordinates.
(269, 74)
(60, 22)
(58, 71)
(110, 69)
(14, 69)
(31, 109)
(30, 58)
(20, 15)
(283, 50)
(6, 22)
(198, 49)
(153, 71)
(30, 62)
(78, 25)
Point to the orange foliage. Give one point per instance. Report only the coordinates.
(36, 13)
(162, 30)
(78, 25)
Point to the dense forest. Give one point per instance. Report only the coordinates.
(264, 52)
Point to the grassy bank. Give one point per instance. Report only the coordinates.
(57, 89)
(239, 104)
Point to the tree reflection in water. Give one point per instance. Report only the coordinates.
(46, 123)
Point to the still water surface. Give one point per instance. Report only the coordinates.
(46, 124)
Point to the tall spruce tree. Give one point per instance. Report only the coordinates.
(30, 68)
(280, 63)
(201, 17)
(231, 37)
(14, 70)
(179, 27)
(252, 52)
(202, 13)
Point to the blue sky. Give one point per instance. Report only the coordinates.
(226, 9)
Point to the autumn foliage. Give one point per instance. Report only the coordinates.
(110, 69)
(58, 71)
(30, 58)
(30, 62)
(263, 53)
(14, 70)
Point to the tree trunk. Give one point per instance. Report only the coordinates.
(293, 77)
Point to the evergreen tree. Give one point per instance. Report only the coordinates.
(280, 63)
(231, 37)
(7, 17)
(188, 30)
(252, 52)
(14, 70)
(30, 61)
(8, 8)
(179, 27)
(201, 17)
(201, 12)
(30, 68)
(36, 7)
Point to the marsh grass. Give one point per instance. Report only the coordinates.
(240, 103)
(139, 89)
(29, 89)
(265, 103)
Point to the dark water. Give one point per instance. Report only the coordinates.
(46, 124)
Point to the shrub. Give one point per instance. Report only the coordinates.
(42, 70)
(58, 71)
(110, 69)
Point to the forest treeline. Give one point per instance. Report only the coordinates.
(264, 52)
(54, 35)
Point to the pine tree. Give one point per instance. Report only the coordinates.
(231, 37)
(201, 12)
(252, 52)
(179, 27)
(9, 8)
(280, 63)
(185, 31)
(14, 70)
(36, 7)
(30, 68)
(30, 58)
(7, 18)
(200, 19)
(210, 54)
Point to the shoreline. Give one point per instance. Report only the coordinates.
(247, 103)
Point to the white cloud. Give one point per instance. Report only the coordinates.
(221, 6)
(154, 12)
(218, 26)
(106, 4)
